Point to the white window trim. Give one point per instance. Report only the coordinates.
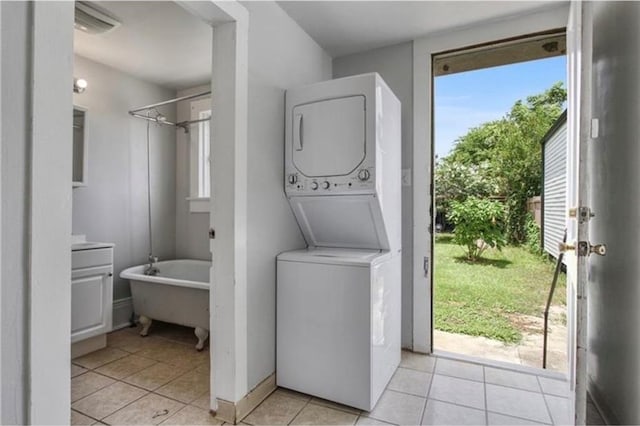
(198, 203)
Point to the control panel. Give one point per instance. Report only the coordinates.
(361, 180)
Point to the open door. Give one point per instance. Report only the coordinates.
(578, 247)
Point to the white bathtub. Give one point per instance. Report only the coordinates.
(178, 294)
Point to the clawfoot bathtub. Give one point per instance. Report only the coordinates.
(178, 294)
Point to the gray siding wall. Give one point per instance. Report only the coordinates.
(554, 192)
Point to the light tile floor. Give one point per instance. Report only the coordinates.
(161, 379)
(436, 390)
(134, 380)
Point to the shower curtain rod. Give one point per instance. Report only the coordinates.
(170, 101)
(183, 124)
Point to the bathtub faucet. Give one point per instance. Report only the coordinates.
(150, 269)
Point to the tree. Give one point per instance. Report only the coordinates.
(456, 181)
(508, 154)
(479, 225)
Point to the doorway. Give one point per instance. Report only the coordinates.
(492, 106)
(48, 388)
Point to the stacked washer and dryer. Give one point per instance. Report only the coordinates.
(338, 301)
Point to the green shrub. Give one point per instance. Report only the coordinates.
(534, 240)
(479, 224)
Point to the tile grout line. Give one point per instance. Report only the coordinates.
(148, 392)
(117, 380)
(97, 390)
(515, 368)
(299, 411)
(496, 384)
(456, 404)
(534, 422)
(486, 404)
(546, 404)
(86, 415)
(426, 400)
(343, 410)
(123, 407)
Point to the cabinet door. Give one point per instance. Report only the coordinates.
(89, 297)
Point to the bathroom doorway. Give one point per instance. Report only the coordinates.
(109, 84)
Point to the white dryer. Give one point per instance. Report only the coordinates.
(342, 162)
(338, 302)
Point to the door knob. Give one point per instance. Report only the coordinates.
(584, 248)
(564, 247)
(599, 249)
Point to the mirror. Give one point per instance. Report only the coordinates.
(79, 177)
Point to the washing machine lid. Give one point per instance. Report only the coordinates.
(333, 256)
(342, 221)
(328, 136)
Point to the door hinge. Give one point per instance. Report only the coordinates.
(212, 233)
(425, 265)
(584, 214)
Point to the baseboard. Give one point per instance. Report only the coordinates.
(601, 405)
(234, 413)
(89, 345)
(226, 411)
(255, 397)
(122, 312)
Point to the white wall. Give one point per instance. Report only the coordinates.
(36, 225)
(281, 56)
(614, 280)
(192, 240)
(15, 209)
(395, 65)
(113, 207)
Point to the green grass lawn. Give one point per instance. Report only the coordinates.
(480, 298)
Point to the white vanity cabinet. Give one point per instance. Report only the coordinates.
(91, 290)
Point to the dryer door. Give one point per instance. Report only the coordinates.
(329, 136)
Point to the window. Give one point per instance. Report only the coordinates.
(200, 184)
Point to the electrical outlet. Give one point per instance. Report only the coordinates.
(406, 177)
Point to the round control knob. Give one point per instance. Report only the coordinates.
(326, 184)
(364, 175)
(314, 185)
(292, 179)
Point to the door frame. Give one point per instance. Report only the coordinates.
(49, 270)
(579, 91)
(423, 51)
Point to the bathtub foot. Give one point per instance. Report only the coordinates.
(202, 336)
(146, 323)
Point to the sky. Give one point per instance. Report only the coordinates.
(468, 99)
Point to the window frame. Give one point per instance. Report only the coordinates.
(199, 147)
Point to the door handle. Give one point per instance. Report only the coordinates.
(297, 132)
(584, 248)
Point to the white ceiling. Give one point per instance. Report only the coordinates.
(345, 27)
(161, 42)
(158, 41)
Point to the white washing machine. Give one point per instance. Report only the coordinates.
(338, 323)
(338, 301)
